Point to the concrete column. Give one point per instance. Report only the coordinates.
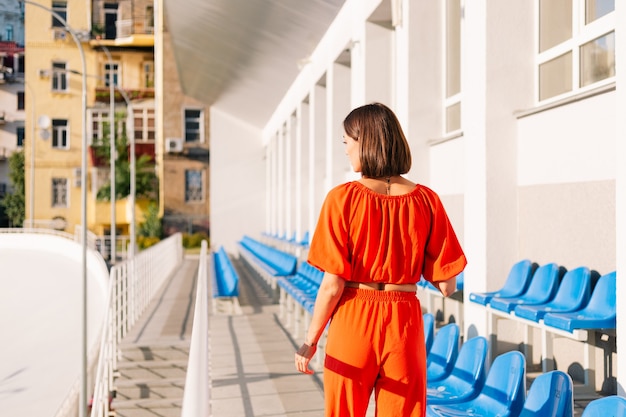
(473, 122)
(288, 140)
(620, 187)
(299, 185)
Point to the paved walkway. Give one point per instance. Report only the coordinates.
(252, 370)
(251, 356)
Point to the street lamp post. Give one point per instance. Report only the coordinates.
(113, 148)
(82, 405)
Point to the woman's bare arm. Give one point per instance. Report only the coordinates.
(447, 287)
(327, 298)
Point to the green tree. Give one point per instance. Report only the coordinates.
(13, 203)
(152, 226)
(146, 181)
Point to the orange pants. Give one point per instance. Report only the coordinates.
(375, 343)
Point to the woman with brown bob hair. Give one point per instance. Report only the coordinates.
(374, 239)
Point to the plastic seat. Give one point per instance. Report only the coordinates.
(502, 395)
(429, 330)
(611, 406)
(542, 288)
(550, 395)
(573, 294)
(598, 314)
(443, 353)
(467, 377)
(460, 281)
(516, 283)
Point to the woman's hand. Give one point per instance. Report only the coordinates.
(303, 357)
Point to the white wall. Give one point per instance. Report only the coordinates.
(237, 181)
(570, 143)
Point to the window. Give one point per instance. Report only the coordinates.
(60, 8)
(576, 49)
(143, 122)
(59, 77)
(59, 192)
(20, 100)
(194, 189)
(60, 134)
(452, 102)
(150, 19)
(99, 125)
(148, 74)
(8, 33)
(193, 125)
(19, 132)
(111, 71)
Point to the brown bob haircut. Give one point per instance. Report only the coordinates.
(383, 148)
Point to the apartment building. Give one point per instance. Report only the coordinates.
(11, 91)
(117, 40)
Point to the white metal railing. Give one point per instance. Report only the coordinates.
(103, 245)
(100, 244)
(133, 285)
(196, 393)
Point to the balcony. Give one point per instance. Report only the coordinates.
(103, 94)
(141, 148)
(124, 23)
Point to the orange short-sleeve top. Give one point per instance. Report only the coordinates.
(365, 236)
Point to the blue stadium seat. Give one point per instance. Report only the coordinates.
(611, 406)
(467, 377)
(429, 330)
(460, 281)
(502, 395)
(275, 262)
(550, 395)
(573, 294)
(516, 283)
(225, 278)
(443, 353)
(542, 288)
(598, 314)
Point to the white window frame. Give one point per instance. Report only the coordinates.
(58, 191)
(200, 121)
(581, 34)
(59, 7)
(116, 72)
(188, 191)
(58, 130)
(59, 76)
(98, 117)
(149, 19)
(455, 98)
(148, 74)
(145, 129)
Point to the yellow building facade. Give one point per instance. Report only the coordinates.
(117, 39)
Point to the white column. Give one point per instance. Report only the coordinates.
(288, 138)
(298, 176)
(330, 87)
(620, 187)
(275, 188)
(474, 127)
(268, 190)
(280, 200)
(311, 198)
(400, 62)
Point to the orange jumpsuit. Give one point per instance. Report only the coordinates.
(376, 338)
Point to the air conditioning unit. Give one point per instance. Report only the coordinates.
(173, 145)
(77, 177)
(59, 34)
